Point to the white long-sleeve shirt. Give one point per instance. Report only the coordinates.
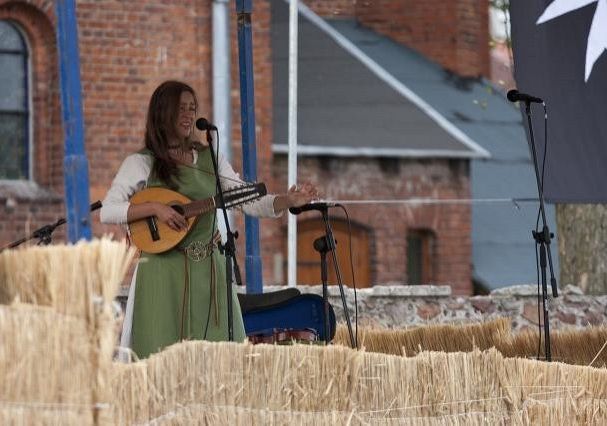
(133, 175)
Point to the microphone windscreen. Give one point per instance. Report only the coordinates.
(512, 95)
(202, 124)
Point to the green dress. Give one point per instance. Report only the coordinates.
(177, 298)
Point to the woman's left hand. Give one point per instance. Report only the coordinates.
(298, 195)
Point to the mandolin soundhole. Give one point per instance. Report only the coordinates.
(153, 227)
(178, 208)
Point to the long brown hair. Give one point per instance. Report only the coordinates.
(160, 128)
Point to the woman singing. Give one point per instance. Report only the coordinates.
(175, 296)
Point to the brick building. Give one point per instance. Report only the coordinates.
(128, 48)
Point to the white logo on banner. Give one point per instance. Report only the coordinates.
(597, 37)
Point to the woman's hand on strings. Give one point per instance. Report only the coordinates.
(170, 216)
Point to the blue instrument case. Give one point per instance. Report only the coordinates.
(285, 311)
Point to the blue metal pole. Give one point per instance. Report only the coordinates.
(249, 153)
(75, 164)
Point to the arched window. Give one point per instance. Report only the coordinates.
(14, 104)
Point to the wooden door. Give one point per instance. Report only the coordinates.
(308, 259)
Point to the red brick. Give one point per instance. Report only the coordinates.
(454, 33)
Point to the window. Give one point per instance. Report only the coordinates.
(14, 104)
(420, 257)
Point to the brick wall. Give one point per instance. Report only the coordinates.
(333, 8)
(453, 33)
(364, 178)
(127, 49)
(24, 208)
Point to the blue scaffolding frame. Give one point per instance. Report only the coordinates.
(249, 150)
(75, 164)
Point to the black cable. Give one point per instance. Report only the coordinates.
(353, 275)
(206, 327)
(545, 143)
(539, 301)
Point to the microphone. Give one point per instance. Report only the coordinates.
(311, 206)
(203, 124)
(515, 96)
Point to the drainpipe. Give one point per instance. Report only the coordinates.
(222, 105)
(292, 159)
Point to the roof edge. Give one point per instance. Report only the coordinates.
(397, 85)
(375, 152)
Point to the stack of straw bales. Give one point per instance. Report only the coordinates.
(228, 383)
(58, 332)
(58, 337)
(573, 346)
(433, 337)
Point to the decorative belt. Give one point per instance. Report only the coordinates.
(200, 250)
(197, 251)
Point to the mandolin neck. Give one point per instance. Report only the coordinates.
(199, 207)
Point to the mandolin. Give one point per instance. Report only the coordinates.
(153, 236)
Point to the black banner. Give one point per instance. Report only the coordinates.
(560, 56)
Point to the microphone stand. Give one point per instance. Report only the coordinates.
(323, 245)
(543, 239)
(44, 234)
(229, 248)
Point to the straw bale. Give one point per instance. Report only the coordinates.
(45, 416)
(311, 379)
(73, 279)
(131, 393)
(572, 346)
(565, 411)
(461, 419)
(434, 337)
(525, 380)
(536, 413)
(208, 383)
(431, 384)
(44, 356)
(238, 416)
(300, 377)
(77, 281)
